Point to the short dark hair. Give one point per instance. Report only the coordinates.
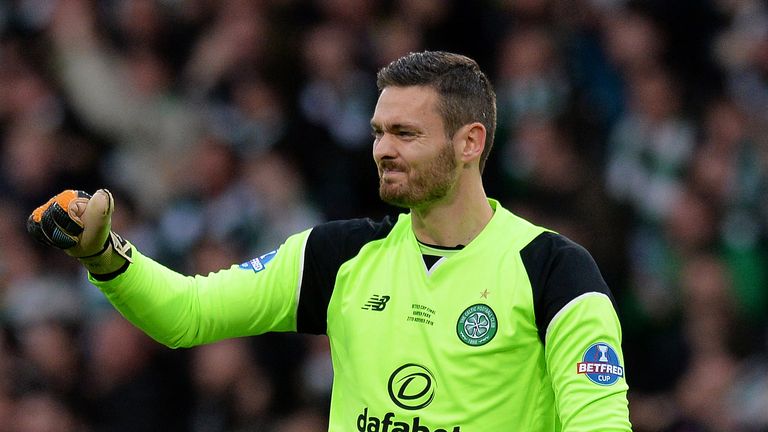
(466, 94)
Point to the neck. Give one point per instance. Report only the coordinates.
(455, 220)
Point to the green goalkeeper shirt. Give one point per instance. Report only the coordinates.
(517, 331)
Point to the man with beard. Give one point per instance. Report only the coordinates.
(455, 316)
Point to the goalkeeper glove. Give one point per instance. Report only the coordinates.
(80, 224)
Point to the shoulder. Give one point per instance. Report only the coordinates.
(328, 247)
(550, 248)
(364, 229)
(554, 262)
(560, 271)
(331, 244)
(350, 234)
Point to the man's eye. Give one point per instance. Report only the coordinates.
(376, 134)
(406, 134)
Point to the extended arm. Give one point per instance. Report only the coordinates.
(176, 310)
(183, 311)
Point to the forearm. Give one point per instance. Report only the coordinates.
(184, 311)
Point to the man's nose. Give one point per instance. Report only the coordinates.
(384, 147)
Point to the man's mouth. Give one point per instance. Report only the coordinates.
(389, 168)
(389, 172)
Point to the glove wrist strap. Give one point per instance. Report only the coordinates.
(107, 244)
(114, 256)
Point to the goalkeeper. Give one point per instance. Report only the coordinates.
(456, 315)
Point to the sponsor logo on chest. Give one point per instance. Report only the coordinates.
(411, 387)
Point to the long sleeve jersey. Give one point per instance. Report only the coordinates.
(517, 331)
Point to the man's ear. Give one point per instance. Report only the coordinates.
(473, 141)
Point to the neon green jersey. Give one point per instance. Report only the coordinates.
(517, 331)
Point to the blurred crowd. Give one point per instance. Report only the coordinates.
(638, 128)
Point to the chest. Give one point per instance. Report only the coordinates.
(465, 307)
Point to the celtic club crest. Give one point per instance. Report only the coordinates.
(476, 325)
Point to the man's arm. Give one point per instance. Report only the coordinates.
(579, 326)
(183, 311)
(586, 365)
(255, 297)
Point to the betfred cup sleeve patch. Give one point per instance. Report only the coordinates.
(601, 364)
(258, 264)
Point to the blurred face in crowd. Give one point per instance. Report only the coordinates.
(416, 160)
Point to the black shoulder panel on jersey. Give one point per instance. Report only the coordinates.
(329, 246)
(559, 270)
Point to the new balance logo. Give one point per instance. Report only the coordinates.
(376, 303)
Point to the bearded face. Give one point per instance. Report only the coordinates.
(417, 162)
(418, 185)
